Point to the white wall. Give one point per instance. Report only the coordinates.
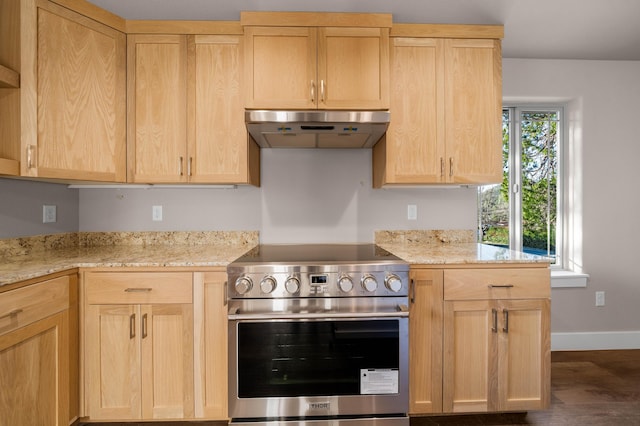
(603, 101)
(306, 196)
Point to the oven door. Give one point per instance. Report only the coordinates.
(318, 367)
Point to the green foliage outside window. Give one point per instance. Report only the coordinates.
(538, 185)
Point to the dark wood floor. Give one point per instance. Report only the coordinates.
(588, 388)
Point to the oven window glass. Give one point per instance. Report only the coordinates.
(313, 358)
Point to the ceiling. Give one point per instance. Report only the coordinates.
(550, 29)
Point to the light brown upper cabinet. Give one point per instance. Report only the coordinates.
(446, 102)
(67, 118)
(186, 122)
(305, 64)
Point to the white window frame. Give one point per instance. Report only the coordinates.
(563, 272)
(515, 178)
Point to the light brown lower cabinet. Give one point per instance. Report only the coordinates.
(139, 345)
(155, 345)
(211, 345)
(496, 348)
(37, 341)
(479, 339)
(425, 340)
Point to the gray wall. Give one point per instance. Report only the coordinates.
(306, 196)
(603, 99)
(21, 208)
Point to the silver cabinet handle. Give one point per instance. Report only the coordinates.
(506, 321)
(180, 167)
(138, 290)
(12, 314)
(494, 314)
(30, 154)
(144, 326)
(441, 167)
(321, 90)
(313, 92)
(189, 166)
(132, 326)
(450, 166)
(501, 285)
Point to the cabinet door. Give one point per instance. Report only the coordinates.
(81, 98)
(34, 374)
(280, 68)
(469, 367)
(218, 142)
(414, 147)
(525, 355)
(473, 96)
(167, 361)
(353, 68)
(425, 340)
(157, 108)
(211, 344)
(112, 357)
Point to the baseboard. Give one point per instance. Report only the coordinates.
(592, 341)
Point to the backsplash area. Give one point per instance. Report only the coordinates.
(307, 196)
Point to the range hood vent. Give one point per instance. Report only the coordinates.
(316, 129)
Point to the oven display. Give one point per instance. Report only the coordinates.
(318, 284)
(318, 279)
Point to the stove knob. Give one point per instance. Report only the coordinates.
(268, 284)
(345, 283)
(292, 285)
(393, 283)
(243, 285)
(369, 283)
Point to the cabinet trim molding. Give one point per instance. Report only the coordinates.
(315, 19)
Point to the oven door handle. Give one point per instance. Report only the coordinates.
(402, 312)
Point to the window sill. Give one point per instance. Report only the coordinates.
(568, 279)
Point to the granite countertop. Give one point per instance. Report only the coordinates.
(448, 247)
(30, 258)
(458, 253)
(33, 257)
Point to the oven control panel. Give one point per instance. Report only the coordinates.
(303, 283)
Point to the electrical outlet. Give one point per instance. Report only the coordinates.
(412, 212)
(599, 298)
(156, 213)
(48, 214)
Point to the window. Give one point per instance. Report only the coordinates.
(522, 212)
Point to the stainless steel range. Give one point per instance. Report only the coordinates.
(318, 335)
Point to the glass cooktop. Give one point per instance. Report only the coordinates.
(302, 254)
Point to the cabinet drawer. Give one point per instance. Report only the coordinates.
(29, 304)
(138, 287)
(480, 284)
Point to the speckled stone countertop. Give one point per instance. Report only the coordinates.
(33, 257)
(447, 247)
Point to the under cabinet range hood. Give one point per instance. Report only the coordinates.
(316, 129)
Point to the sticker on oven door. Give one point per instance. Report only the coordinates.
(375, 381)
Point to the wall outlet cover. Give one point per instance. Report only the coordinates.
(49, 214)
